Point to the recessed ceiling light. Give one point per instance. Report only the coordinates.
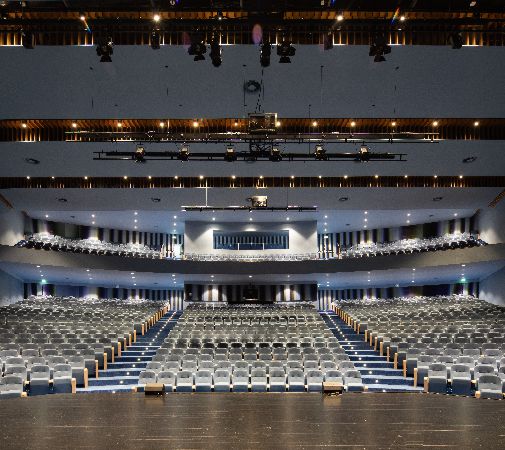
(250, 218)
(85, 178)
(135, 220)
(345, 177)
(408, 214)
(213, 218)
(455, 214)
(135, 227)
(287, 218)
(93, 222)
(408, 221)
(135, 213)
(250, 276)
(325, 217)
(460, 177)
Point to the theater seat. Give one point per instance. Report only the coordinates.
(11, 386)
(277, 378)
(222, 380)
(489, 386)
(39, 380)
(167, 379)
(203, 381)
(184, 381)
(461, 379)
(315, 381)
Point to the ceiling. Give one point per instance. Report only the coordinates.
(384, 278)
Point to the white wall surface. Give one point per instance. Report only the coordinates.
(11, 289)
(492, 289)
(12, 224)
(199, 236)
(491, 223)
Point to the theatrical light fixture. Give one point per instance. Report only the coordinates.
(105, 49)
(363, 155)
(328, 41)
(285, 50)
(265, 52)
(215, 53)
(230, 154)
(155, 40)
(140, 154)
(379, 48)
(275, 154)
(197, 49)
(28, 39)
(320, 153)
(183, 153)
(456, 40)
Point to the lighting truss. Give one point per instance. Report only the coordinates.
(249, 156)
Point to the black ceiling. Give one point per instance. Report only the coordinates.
(256, 5)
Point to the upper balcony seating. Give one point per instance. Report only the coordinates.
(88, 246)
(446, 242)
(447, 343)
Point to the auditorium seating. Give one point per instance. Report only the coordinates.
(47, 241)
(255, 348)
(251, 257)
(54, 344)
(446, 242)
(448, 343)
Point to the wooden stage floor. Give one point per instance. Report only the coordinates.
(250, 421)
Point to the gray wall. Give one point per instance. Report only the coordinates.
(11, 227)
(416, 81)
(11, 289)
(198, 236)
(492, 289)
(491, 223)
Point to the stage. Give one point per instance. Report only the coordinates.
(134, 421)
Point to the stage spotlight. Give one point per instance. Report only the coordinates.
(379, 48)
(285, 50)
(155, 40)
(215, 53)
(364, 154)
(140, 154)
(230, 154)
(265, 52)
(320, 153)
(275, 154)
(105, 49)
(28, 40)
(184, 153)
(328, 41)
(197, 49)
(456, 40)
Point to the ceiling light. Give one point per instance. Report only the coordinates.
(345, 177)
(379, 48)
(162, 124)
(265, 52)
(353, 123)
(216, 53)
(156, 17)
(285, 50)
(24, 125)
(175, 217)
(287, 218)
(278, 123)
(376, 176)
(455, 214)
(135, 227)
(340, 17)
(408, 221)
(233, 177)
(314, 123)
(197, 49)
(93, 222)
(74, 125)
(408, 214)
(213, 218)
(476, 123)
(85, 178)
(82, 17)
(195, 124)
(105, 49)
(435, 123)
(393, 124)
(250, 276)
(47, 215)
(402, 18)
(460, 177)
(325, 217)
(125, 177)
(462, 265)
(230, 154)
(250, 218)
(135, 220)
(201, 177)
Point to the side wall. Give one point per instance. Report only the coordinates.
(491, 223)
(11, 289)
(11, 226)
(492, 289)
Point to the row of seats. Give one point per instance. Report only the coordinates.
(251, 257)
(252, 344)
(447, 343)
(48, 241)
(257, 380)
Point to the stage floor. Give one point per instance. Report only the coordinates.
(240, 421)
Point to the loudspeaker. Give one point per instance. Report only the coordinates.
(154, 389)
(332, 388)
